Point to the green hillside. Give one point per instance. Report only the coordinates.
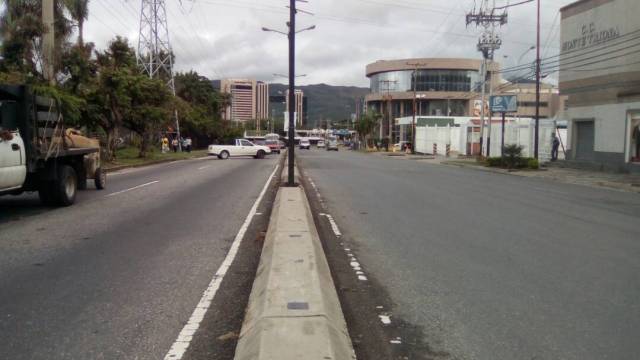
(327, 102)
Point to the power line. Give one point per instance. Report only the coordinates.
(603, 46)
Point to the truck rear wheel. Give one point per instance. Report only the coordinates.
(100, 178)
(224, 155)
(66, 185)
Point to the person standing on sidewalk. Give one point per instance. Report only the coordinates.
(555, 144)
(188, 143)
(174, 144)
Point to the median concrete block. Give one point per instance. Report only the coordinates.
(294, 311)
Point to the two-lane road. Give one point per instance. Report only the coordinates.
(117, 275)
(491, 266)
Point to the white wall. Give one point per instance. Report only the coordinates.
(610, 123)
(519, 132)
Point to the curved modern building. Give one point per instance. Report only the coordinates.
(444, 87)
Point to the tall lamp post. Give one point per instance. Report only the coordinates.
(292, 97)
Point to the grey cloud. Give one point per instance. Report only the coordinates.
(218, 40)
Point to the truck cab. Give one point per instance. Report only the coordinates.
(13, 160)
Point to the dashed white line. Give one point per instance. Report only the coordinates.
(385, 319)
(204, 167)
(133, 188)
(183, 341)
(334, 226)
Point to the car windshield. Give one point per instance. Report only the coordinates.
(320, 179)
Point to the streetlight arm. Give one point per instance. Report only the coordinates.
(276, 31)
(305, 29)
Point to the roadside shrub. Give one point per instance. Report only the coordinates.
(512, 155)
(533, 164)
(494, 161)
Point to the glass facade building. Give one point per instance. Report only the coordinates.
(426, 80)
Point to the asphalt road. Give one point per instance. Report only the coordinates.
(490, 266)
(117, 275)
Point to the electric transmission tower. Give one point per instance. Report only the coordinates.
(155, 55)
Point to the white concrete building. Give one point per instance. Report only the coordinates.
(599, 70)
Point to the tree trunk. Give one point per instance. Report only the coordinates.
(144, 145)
(110, 150)
(80, 33)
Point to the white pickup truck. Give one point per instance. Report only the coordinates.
(34, 154)
(241, 147)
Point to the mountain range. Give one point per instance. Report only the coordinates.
(326, 102)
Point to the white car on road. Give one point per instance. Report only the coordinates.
(305, 144)
(241, 147)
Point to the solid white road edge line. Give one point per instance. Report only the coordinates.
(133, 188)
(183, 341)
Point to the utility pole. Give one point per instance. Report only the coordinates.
(155, 55)
(48, 40)
(488, 43)
(537, 129)
(415, 97)
(388, 100)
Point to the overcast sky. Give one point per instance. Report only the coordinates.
(223, 38)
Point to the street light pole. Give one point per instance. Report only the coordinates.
(537, 130)
(292, 95)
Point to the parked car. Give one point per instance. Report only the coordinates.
(332, 144)
(305, 144)
(321, 144)
(274, 145)
(241, 147)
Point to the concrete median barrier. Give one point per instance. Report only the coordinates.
(293, 311)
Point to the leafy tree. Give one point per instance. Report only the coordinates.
(149, 108)
(108, 97)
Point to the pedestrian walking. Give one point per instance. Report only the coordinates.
(174, 145)
(187, 142)
(555, 144)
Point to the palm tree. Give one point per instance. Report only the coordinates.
(79, 10)
(21, 30)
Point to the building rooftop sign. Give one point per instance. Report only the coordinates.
(504, 103)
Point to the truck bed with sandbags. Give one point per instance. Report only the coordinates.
(38, 153)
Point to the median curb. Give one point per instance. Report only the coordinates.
(293, 311)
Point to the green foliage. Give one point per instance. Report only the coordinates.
(21, 29)
(533, 164)
(494, 161)
(512, 155)
(367, 124)
(70, 106)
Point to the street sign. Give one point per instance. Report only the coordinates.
(504, 103)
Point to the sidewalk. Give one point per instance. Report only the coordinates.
(618, 181)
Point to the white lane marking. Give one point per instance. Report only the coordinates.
(133, 188)
(204, 167)
(183, 341)
(362, 278)
(334, 226)
(385, 319)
